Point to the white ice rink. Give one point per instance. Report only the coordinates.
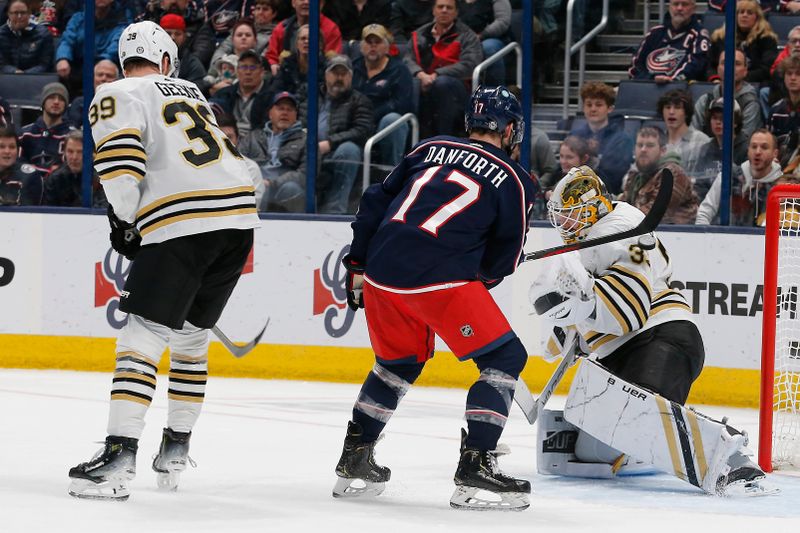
(266, 450)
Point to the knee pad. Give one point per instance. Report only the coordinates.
(189, 341)
(509, 358)
(143, 337)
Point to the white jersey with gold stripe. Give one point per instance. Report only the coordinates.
(163, 161)
(631, 284)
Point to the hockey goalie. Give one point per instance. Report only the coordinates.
(625, 410)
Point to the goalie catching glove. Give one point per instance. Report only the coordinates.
(564, 294)
(354, 285)
(124, 236)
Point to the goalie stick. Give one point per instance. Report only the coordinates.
(648, 224)
(522, 394)
(235, 349)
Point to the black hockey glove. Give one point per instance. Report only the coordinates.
(354, 283)
(124, 236)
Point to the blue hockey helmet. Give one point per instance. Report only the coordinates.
(493, 108)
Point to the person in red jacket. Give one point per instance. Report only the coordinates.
(282, 36)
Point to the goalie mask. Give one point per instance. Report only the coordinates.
(578, 201)
(149, 41)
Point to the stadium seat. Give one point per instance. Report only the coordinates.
(632, 126)
(639, 98)
(699, 88)
(782, 25)
(24, 90)
(712, 21)
(516, 25)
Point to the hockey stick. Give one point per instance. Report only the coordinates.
(235, 349)
(522, 394)
(648, 224)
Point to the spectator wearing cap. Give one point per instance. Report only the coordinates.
(24, 46)
(442, 55)
(407, 16)
(784, 115)
(344, 123)
(386, 81)
(65, 185)
(228, 126)
(279, 149)
(248, 98)
(282, 38)
(241, 39)
(199, 34)
(110, 20)
(42, 142)
(190, 67)
(491, 22)
(675, 108)
(293, 73)
(351, 16)
(105, 71)
(20, 182)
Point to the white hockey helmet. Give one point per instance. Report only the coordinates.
(149, 41)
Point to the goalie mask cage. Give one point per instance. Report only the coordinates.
(779, 414)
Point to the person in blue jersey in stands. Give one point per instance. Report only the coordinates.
(446, 225)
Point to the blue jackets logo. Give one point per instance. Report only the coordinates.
(109, 279)
(330, 296)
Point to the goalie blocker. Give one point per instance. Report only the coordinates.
(638, 431)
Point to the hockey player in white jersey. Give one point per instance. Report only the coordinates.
(628, 405)
(182, 209)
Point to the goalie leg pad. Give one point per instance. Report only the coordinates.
(555, 450)
(643, 424)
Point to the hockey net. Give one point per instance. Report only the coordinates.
(779, 427)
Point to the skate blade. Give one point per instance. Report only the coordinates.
(357, 488)
(168, 481)
(749, 489)
(475, 499)
(107, 490)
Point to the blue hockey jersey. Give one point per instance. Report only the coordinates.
(679, 55)
(454, 210)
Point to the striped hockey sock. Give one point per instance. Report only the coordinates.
(187, 389)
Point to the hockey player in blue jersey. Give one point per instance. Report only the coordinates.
(448, 223)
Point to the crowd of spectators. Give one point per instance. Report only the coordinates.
(380, 59)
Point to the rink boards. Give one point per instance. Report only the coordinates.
(60, 284)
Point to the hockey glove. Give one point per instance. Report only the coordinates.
(124, 236)
(564, 294)
(354, 283)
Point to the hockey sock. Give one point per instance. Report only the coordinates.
(187, 389)
(489, 399)
(381, 392)
(132, 391)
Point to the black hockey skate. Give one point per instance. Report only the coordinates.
(358, 473)
(106, 475)
(171, 459)
(745, 478)
(478, 471)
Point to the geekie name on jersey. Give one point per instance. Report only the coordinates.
(469, 160)
(177, 89)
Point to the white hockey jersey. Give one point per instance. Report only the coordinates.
(164, 163)
(631, 285)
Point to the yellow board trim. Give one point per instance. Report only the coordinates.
(697, 438)
(715, 386)
(666, 420)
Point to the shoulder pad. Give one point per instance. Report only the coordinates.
(27, 168)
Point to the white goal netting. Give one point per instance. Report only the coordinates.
(786, 390)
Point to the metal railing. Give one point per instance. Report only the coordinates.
(580, 46)
(646, 15)
(494, 58)
(408, 117)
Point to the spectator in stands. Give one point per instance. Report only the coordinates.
(573, 152)
(199, 34)
(105, 71)
(442, 55)
(766, 5)
(407, 16)
(754, 36)
(784, 115)
(279, 149)
(6, 118)
(221, 74)
(24, 45)
(708, 162)
(20, 183)
(243, 37)
(292, 75)
(768, 95)
(228, 126)
(265, 18)
(641, 184)
(351, 16)
(790, 6)
(605, 134)
(744, 93)
(675, 50)
(675, 107)
(491, 22)
(42, 142)
(190, 67)
(543, 160)
(386, 81)
(750, 185)
(344, 123)
(64, 186)
(283, 35)
(222, 15)
(248, 98)
(109, 22)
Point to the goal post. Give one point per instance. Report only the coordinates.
(779, 413)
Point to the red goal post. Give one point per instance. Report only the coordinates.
(779, 413)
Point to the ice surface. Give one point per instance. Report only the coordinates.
(266, 451)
